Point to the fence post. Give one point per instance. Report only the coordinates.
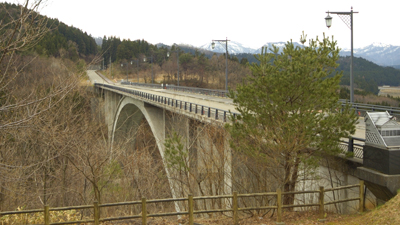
(279, 205)
(46, 215)
(235, 209)
(190, 209)
(361, 196)
(350, 146)
(144, 212)
(96, 213)
(321, 203)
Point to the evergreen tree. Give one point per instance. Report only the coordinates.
(290, 113)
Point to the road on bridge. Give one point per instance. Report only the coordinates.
(205, 100)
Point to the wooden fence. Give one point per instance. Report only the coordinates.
(191, 212)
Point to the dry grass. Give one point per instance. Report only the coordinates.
(385, 214)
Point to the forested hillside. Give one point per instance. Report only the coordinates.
(61, 41)
(368, 75)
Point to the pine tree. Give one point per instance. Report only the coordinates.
(290, 113)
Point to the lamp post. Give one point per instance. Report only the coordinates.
(347, 18)
(226, 58)
(152, 76)
(137, 67)
(122, 65)
(177, 61)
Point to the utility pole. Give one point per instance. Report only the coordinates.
(111, 69)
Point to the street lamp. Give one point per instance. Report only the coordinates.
(177, 61)
(122, 65)
(347, 18)
(152, 76)
(226, 60)
(137, 67)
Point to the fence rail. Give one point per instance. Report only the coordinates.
(191, 212)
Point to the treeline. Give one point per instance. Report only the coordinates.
(196, 67)
(62, 40)
(119, 50)
(66, 41)
(368, 75)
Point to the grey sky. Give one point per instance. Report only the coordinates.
(251, 22)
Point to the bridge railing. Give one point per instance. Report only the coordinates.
(155, 86)
(222, 115)
(202, 91)
(361, 108)
(197, 109)
(189, 202)
(356, 148)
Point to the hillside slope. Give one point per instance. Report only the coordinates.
(385, 214)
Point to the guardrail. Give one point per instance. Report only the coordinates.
(359, 107)
(104, 77)
(356, 148)
(202, 110)
(191, 209)
(362, 108)
(156, 86)
(202, 91)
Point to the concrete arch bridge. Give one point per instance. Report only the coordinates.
(188, 112)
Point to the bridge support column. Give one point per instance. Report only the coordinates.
(110, 107)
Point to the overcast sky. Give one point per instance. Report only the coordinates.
(251, 22)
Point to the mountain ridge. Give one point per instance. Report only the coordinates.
(379, 53)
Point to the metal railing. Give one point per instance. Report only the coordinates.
(97, 219)
(197, 109)
(155, 86)
(202, 91)
(356, 148)
(362, 108)
(359, 107)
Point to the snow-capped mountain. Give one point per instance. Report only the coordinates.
(279, 45)
(233, 47)
(381, 54)
(236, 48)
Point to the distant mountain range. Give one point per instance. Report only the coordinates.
(381, 54)
(237, 48)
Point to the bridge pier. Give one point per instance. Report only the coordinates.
(111, 101)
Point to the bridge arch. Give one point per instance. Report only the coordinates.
(128, 116)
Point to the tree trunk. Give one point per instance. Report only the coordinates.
(291, 175)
